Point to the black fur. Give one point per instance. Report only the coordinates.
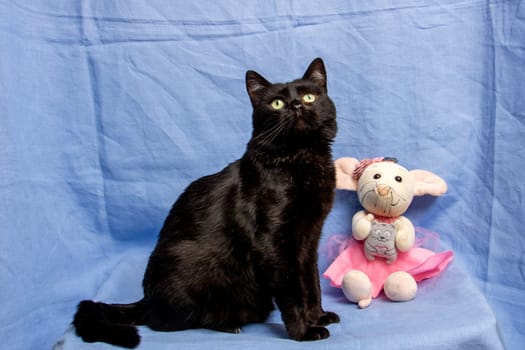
(237, 240)
(113, 324)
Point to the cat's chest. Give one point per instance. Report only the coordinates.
(283, 178)
(312, 172)
(314, 178)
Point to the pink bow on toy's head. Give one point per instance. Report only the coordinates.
(361, 165)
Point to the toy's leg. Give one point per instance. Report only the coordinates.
(364, 303)
(400, 286)
(391, 256)
(357, 288)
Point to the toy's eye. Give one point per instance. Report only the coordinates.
(277, 104)
(399, 179)
(377, 176)
(309, 98)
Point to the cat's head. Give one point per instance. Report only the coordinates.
(296, 110)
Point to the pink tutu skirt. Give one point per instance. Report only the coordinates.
(421, 263)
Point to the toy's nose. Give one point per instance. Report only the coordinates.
(383, 190)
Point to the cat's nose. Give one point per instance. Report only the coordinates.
(296, 105)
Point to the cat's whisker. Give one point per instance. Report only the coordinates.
(268, 132)
(266, 138)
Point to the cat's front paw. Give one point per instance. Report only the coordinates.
(328, 318)
(315, 333)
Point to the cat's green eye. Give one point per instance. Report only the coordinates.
(277, 103)
(309, 98)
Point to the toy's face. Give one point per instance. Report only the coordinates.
(385, 189)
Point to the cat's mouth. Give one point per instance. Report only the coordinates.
(298, 114)
(300, 123)
(301, 120)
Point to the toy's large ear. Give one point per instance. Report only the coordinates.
(344, 171)
(426, 182)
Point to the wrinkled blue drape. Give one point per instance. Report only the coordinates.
(109, 109)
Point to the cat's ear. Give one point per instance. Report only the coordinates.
(255, 84)
(316, 73)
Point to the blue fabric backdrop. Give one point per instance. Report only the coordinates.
(108, 109)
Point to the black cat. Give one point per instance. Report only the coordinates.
(236, 241)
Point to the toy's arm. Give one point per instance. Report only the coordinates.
(406, 234)
(361, 225)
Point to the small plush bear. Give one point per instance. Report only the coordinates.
(382, 254)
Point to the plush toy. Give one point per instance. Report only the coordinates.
(383, 255)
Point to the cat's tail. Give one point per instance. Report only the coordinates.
(110, 323)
